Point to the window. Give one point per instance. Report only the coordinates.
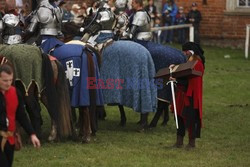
(237, 7)
(243, 3)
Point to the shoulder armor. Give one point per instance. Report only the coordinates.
(141, 18)
(106, 15)
(44, 14)
(11, 20)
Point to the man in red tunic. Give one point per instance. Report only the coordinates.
(189, 97)
(11, 109)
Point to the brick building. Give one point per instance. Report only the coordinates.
(224, 21)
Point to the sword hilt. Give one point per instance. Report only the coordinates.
(169, 82)
(171, 76)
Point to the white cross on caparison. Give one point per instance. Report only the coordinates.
(71, 72)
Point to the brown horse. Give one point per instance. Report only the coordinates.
(77, 57)
(44, 80)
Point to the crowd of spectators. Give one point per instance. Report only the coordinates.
(172, 14)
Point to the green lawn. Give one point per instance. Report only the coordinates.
(225, 139)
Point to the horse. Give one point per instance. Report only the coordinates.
(79, 64)
(39, 77)
(125, 67)
(162, 56)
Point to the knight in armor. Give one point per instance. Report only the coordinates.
(121, 17)
(139, 28)
(48, 16)
(46, 19)
(105, 19)
(10, 26)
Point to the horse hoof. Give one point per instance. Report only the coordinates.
(122, 124)
(152, 126)
(142, 129)
(86, 139)
(164, 123)
(51, 138)
(139, 122)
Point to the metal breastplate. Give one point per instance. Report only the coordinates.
(106, 19)
(142, 20)
(50, 19)
(122, 21)
(12, 31)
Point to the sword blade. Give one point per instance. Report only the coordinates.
(174, 103)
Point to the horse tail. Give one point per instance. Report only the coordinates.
(65, 128)
(92, 92)
(50, 90)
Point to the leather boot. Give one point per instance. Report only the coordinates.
(191, 143)
(179, 142)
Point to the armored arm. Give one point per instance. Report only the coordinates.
(133, 31)
(33, 24)
(140, 28)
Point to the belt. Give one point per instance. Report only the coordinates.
(5, 136)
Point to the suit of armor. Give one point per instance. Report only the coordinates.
(106, 18)
(104, 25)
(121, 17)
(140, 27)
(49, 17)
(10, 29)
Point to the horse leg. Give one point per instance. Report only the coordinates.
(93, 119)
(165, 114)
(122, 115)
(53, 130)
(160, 109)
(92, 95)
(143, 122)
(74, 117)
(100, 110)
(85, 127)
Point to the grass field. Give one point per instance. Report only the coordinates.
(225, 138)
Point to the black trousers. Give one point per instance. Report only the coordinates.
(6, 157)
(193, 125)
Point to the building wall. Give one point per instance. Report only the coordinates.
(2, 4)
(218, 23)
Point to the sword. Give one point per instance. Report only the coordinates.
(173, 96)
